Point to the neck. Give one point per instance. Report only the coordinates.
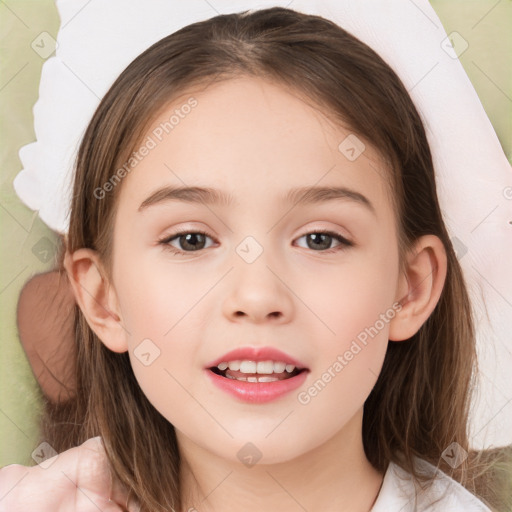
(334, 476)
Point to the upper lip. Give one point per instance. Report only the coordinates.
(256, 354)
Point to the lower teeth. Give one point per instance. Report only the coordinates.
(254, 379)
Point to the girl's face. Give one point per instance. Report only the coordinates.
(262, 275)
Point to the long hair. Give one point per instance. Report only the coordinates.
(421, 400)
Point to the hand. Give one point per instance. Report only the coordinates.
(77, 480)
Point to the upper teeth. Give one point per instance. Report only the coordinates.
(266, 367)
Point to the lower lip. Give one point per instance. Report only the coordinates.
(257, 392)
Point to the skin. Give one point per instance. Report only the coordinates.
(79, 480)
(255, 140)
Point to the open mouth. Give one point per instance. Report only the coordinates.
(256, 381)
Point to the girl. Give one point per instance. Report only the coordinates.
(270, 311)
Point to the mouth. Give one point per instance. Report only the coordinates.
(256, 382)
(256, 374)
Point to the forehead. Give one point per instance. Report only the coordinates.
(247, 136)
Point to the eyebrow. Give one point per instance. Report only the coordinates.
(212, 196)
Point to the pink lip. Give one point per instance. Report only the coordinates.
(257, 392)
(256, 354)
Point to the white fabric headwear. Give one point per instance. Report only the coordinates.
(97, 40)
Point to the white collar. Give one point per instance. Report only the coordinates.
(398, 493)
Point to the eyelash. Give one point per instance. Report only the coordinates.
(345, 244)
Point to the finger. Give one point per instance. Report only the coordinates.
(134, 507)
(121, 495)
(118, 492)
(87, 503)
(112, 507)
(130, 507)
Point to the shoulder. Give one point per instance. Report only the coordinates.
(399, 492)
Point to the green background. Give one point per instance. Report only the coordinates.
(486, 25)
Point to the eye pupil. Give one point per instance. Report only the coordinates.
(319, 238)
(190, 239)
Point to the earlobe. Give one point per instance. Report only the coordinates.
(96, 297)
(420, 288)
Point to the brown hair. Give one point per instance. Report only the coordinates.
(420, 403)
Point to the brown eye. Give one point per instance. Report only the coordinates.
(322, 240)
(188, 241)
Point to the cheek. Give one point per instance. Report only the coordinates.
(162, 314)
(351, 350)
(354, 302)
(350, 297)
(154, 297)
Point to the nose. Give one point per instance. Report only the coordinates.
(257, 293)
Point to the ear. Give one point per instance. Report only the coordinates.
(96, 297)
(420, 287)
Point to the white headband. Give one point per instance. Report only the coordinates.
(473, 176)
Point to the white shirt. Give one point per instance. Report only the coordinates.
(398, 492)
